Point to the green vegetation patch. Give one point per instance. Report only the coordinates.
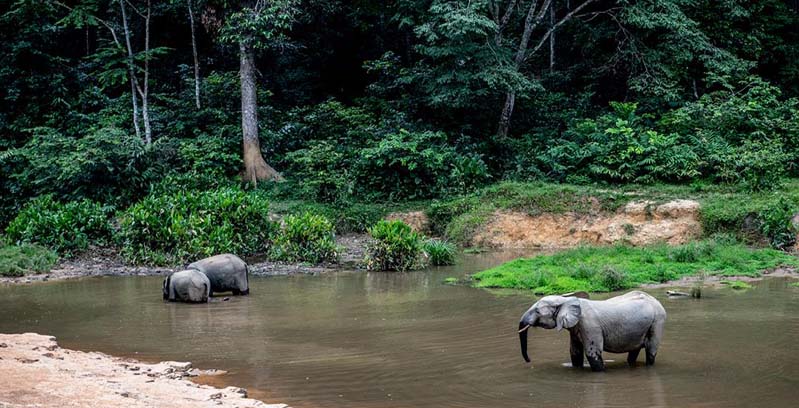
(19, 260)
(737, 285)
(305, 238)
(184, 226)
(602, 269)
(440, 252)
(396, 247)
(64, 227)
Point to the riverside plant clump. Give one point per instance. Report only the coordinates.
(305, 238)
(603, 269)
(395, 247)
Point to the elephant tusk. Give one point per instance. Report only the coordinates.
(525, 328)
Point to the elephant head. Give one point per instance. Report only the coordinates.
(549, 312)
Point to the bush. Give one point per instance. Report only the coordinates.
(745, 135)
(409, 165)
(18, 260)
(305, 238)
(440, 252)
(179, 227)
(621, 146)
(64, 227)
(396, 247)
(776, 223)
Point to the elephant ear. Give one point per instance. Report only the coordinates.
(568, 314)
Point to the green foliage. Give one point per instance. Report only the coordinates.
(777, 222)
(623, 147)
(260, 24)
(347, 217)
(180, 227)
(305, 238)
(395, 247)
(602, 269)
(105, 165)
(64, 227)
(409, 165)
(747, 134)
(737, 284)
(439, 252)
(19, 260)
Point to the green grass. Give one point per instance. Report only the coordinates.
(794, 284)
(439, 252)
(737, 285)
(19, 260)
(602, 269)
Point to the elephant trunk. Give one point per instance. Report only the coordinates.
(527, 321)
(523, 327)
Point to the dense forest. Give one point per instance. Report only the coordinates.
(387, 101)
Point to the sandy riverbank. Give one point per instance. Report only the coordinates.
(39, 373)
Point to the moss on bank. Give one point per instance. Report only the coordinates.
(602, 269)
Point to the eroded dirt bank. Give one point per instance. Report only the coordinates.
(36, 372)
(637, 223)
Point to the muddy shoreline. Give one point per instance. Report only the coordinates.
(40, 373)
(108, 262)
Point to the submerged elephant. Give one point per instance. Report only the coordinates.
(622, 324)
(226, 272)
(189, 285)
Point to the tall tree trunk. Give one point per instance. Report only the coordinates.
(196, 59)
(552, 39)
(530, 23)
(145, 106)
(255, 168)
(131, 70)
(507, 111)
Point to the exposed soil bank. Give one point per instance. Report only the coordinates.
(107, 262)
(637, 223)
(39, 373)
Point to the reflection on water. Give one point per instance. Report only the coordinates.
(364, 339)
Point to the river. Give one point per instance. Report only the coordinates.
(373, 339)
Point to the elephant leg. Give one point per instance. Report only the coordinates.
(652, 342)
(596, 362)
(593, 350)
(577, 351)
(632, 357)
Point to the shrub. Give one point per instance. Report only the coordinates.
(622, 146)
(18, 260)
(776, 222)
(440, 252)
(64, 227)
(305, 238)
(179, 227)
(396, 247)
(410, 165)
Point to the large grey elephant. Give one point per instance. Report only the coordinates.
(622, 324)
(188, 285)
(226, 272)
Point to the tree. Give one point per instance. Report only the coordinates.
(258, 24)
(196, 59)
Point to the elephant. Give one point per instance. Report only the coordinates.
(189, 285)
(226, 272)
(622, 324)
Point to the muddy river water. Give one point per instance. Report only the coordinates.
(363, 339)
